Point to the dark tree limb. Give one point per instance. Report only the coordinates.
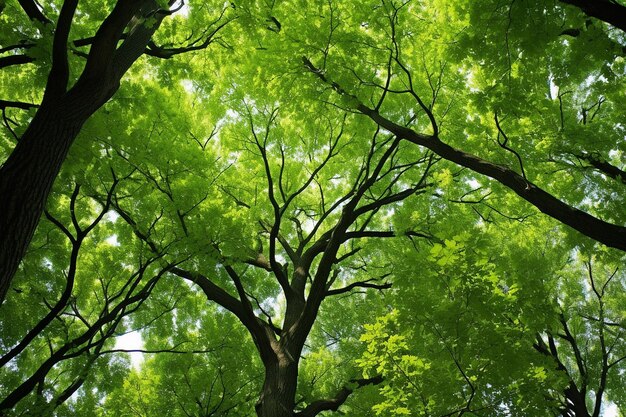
(504, 144)
(608, 11)
(607, 233)
(7, 61)
(167, 53)
(60, 71)
(17, 104)
(603, 166)
(156, 51)
(104, 46)
(370, 283)
(575, 398)
(258, 330)
(32, 10)
(333, 404)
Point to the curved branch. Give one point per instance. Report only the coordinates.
(167, 53)
(220, 296)
(503, 144)
(333, 404)
(362, 284)
(607, 233)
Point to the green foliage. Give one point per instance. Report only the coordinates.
(469, 310)
(482, 282)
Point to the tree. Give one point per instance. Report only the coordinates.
(403, 79)
(67, 101)
(311, 230)
(309, 226)
(254, 210)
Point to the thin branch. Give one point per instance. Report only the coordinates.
(503, 144)
(17, 104)
(370, 283)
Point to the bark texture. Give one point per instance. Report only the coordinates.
(27, 175)
(277, 398)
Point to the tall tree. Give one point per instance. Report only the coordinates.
(272, 201)
(308, 234)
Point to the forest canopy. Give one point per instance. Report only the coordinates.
(369, 208)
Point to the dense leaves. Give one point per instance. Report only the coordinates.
(294, 208)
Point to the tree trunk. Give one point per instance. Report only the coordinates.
(576, 402)
(278, 395)
(25, 182)
(29, 172)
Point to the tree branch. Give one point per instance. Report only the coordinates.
(218, 295)
(33, 11)
(17, 104)
(603, 166)
(166, 53)
(60, 70)
(7, 61)
(333, 404)
(607, 233)
(362, 284)
(108, 35)
(503, 144)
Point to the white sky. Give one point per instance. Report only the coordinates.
(131, 341)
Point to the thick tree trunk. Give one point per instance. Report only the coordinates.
(25, 182)
(28, 174)
(576, 403)
(278, 395)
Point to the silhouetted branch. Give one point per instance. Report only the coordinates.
(333, 404)
(370, 283)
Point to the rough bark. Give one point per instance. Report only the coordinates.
(25, 182)
(277, 398)
(27, 175)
